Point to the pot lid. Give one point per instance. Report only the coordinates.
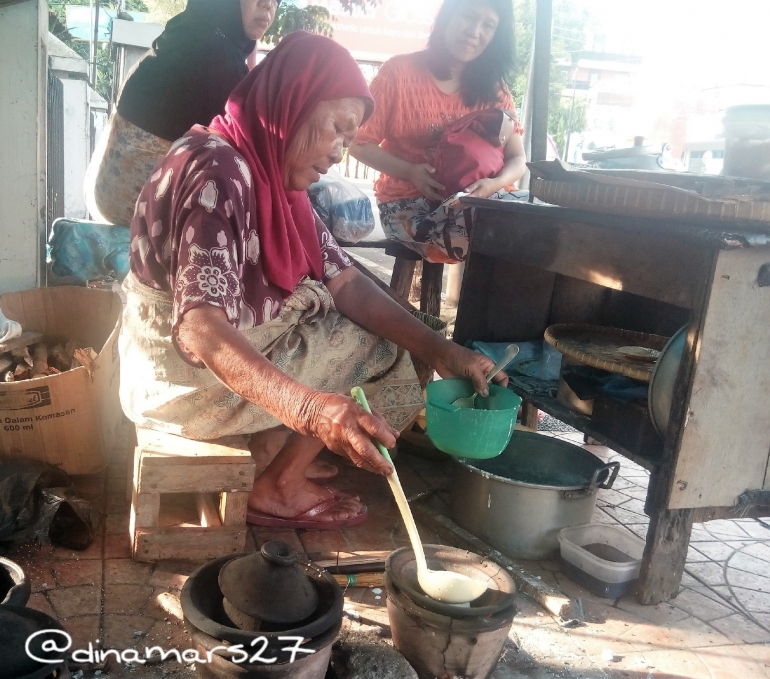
(270, 585)
(17, 625)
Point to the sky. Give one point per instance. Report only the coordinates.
(699, 43)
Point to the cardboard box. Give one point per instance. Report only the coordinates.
(68, 420)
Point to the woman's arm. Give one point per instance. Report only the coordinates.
(336, 420)
(421, 176)
(358, 298)
(513, 170)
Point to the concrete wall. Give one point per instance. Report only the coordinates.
(23, 97)
(77, 146)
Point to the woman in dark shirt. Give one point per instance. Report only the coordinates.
(185, 79)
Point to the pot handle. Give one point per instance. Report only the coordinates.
(612, 468)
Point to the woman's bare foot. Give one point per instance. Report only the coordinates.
(321, 471)
(266, 445)
(289, 501)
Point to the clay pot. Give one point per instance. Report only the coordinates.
(17, 625)
(14, 586)
(441, 640)
(203, 605)
(268, 589)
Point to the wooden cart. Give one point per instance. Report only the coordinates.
(532, 266)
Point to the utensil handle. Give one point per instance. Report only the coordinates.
(511, 351)
(358, 395)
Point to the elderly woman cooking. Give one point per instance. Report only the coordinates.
(243, 314)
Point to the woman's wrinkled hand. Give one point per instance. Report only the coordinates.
(422, 176)
(457, 361)
(347, 429)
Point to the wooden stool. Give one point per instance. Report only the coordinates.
(403, 273)
(189, 498)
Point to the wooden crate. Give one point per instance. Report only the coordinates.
(167, 470)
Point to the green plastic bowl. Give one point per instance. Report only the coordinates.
(478, 434)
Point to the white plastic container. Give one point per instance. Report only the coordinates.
(604, 559)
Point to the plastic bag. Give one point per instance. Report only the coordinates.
(37, 502)
(87, 250)
(343, 207)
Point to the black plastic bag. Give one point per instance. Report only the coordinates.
(38, 502)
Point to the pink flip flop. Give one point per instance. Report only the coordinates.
(309, 520)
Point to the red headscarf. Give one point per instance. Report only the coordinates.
(262, 116)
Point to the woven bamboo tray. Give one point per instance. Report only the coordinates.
(599, 346)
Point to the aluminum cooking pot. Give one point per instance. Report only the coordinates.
(519, 501)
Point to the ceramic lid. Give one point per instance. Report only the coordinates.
(270, 585)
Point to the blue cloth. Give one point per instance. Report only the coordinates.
(88, 250)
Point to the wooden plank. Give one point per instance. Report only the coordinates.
(726, 441)
(188, 543)
(552, 600)
(430, 294)
(208, 513)
(668, 538)
(530, 415)
(652, 266)
(233, 508)
(208, 478)
(24, 340)
(175, 450)
(401, 281)
(350, 562)
(145, 511)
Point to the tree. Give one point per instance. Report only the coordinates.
(569, 35)
(289, 18)
(104, 60)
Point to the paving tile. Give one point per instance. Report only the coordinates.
(756, 602)
(172, 574)
(746, 580)
(119, 631)
(72, 601)
(696, 556)
(760, 653)
(83, 629)
(726, 529)
(40, 603)
(126, 599)
(661, 614)
(38, 571)
(697, 634)
(728, 663)
(717, 551)
(671, 664)
(70, 572)
(126, 572)
(626, 517)
(117, 524)
(699, 606)
(612, 497)
(117, 547)
(746, 562)
(763, 619)
(94, 551)
(168, 635)
(739, 629)
(756, 530)
(708, 572)
(759, 551)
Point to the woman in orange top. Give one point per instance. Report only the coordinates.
(418, 96)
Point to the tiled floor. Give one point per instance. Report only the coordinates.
(718, 627)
